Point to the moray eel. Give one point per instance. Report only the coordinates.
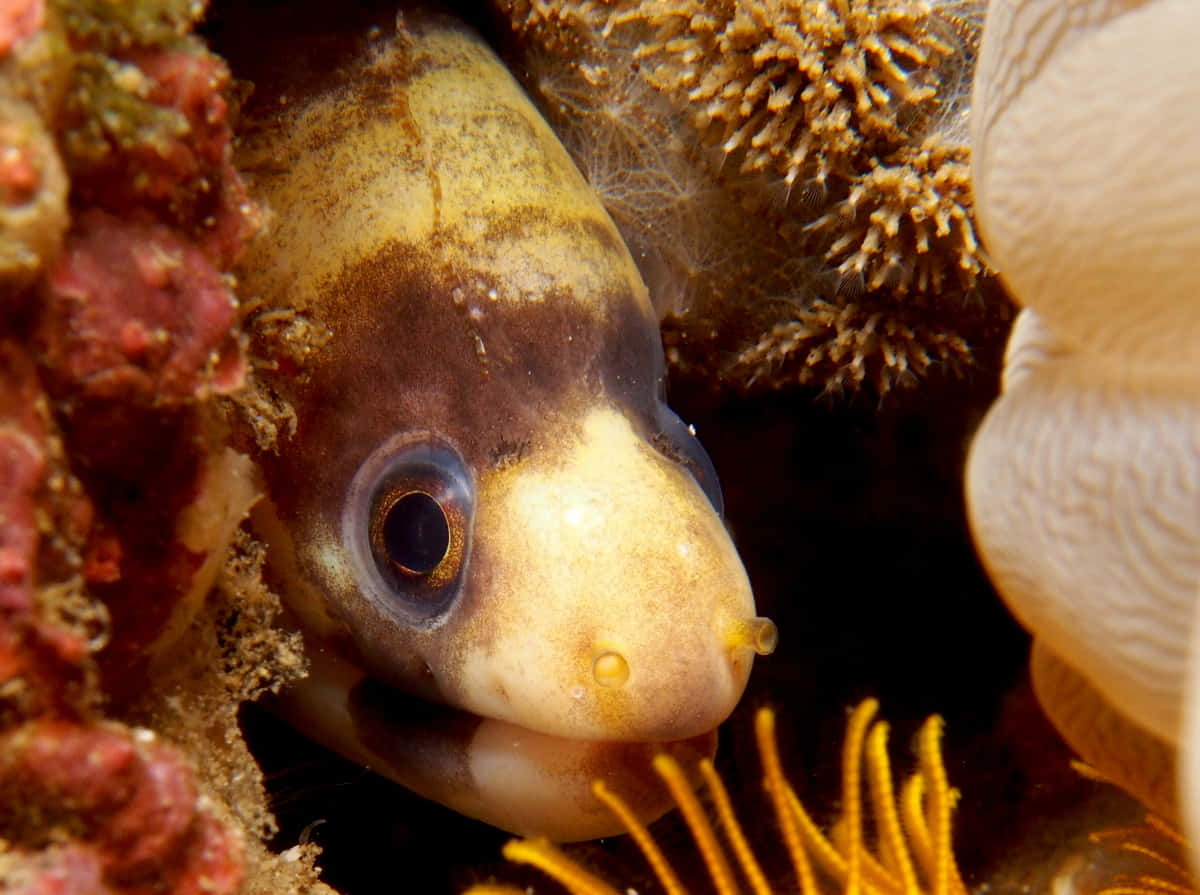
(505, 552)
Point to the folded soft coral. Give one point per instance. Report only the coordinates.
(1083, 481)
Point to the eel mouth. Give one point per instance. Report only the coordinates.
(512, 777)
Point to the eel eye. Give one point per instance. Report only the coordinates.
(677, 440)
(410, 529)
(415, 534)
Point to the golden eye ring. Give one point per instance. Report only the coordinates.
(412, 526)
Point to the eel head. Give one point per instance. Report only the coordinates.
(505, 552)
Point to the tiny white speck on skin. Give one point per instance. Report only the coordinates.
(577, 691)
(144, 736)
(683, 549)
(573, 516)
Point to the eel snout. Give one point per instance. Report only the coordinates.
(617, 607)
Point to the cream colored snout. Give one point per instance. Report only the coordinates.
(617, 607)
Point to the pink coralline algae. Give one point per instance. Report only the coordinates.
(176, 161)
(133, 311)
(136, 820)
(45, 659)
(18, 20)
(85, 805)
(120, 217)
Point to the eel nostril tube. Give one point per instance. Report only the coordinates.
(758, 633)
(610, 669)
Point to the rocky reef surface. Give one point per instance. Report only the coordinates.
(132, 622)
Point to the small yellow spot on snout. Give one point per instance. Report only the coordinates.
(610, 669)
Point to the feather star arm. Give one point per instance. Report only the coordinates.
(913, 853)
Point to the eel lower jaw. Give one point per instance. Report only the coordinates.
(514, 778)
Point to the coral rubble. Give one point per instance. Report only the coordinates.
(790, 175)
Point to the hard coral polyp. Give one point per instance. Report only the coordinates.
(128, 803)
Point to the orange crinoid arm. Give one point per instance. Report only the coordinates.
(909, 852)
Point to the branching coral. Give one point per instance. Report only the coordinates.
(912, 852)
(768, 160)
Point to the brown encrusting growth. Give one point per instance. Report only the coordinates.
(785, 173)
(234, 652)
(122, 769)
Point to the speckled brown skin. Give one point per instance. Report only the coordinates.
(481, 306)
